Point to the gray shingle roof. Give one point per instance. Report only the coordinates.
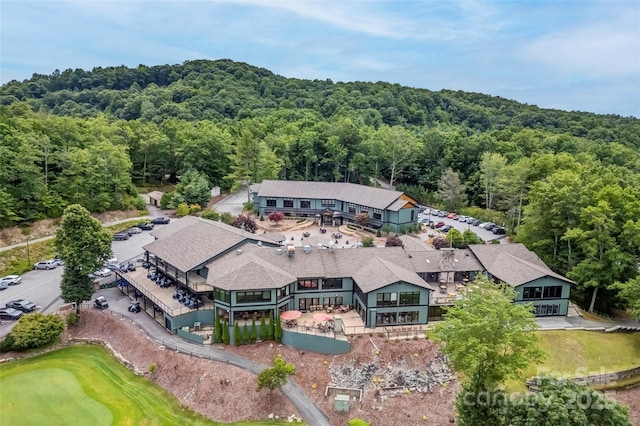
(513, 264)
(358, 194)
(192, 241)
(262, 267)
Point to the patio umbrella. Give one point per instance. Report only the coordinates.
(322, 317)
(290, 315)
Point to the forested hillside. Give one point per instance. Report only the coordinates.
(567, 184)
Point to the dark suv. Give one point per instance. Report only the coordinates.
(160, 220)
(499, 230)
(22, 305)
(145, 226)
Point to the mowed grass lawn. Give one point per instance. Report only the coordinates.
(573, 353)
(84, 385)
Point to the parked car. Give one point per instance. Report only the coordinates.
(484, 225)
(440, 224)
(11, 280)
(119, 236)
(145, 226)
(10, 314)
(489, 226)
(46, 264)
(101, 302)
(476, 222)
(162, 220)
(451, 215)
(104, 272)
(446, 228)
(443, 214)
(499, 230)
(3, 285)
(134, 230)
(22, 305)
(470, 220)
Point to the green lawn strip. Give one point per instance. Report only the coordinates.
(573, 353)
(97, 390)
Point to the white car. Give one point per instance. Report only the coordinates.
(11, 280)
(104, 272)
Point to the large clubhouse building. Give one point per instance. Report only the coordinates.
(236, 275)
(336, 203)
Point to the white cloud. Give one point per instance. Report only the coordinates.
(610, 48)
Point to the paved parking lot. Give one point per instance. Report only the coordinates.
(484, 234)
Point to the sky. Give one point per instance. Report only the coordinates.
(577, 55)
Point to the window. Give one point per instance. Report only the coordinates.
(377, 214)
(530, 293)
(387, 299)
(307, 284)
(282, 292)
(552, 292)
(253, 296)
(352, 208)
(364, 209)
(271, 202)
(222, 295)
(408, 317)
(328, 203)
(305, 203)
(332, 283)
(410, 298)
(288, 202)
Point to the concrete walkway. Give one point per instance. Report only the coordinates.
(119, 302)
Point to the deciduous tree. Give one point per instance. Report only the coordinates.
(84, 245)
(488, 339)
(275, 377)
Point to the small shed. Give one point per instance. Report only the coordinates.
(155, 197)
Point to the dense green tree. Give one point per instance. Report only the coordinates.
(630, 292)
(451, 190)
(275, 377)
(488, 339)
(84, 245)
(491, 166)
(194, 188)
(563, 402)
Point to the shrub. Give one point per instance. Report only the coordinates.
(227, 218)
(263, 328)
(211, 214)
(393, 242)
(225, 333)
(72, 318)
(36, 330)
(358, 422)
(217, 332)
(152, 368)
(245, 222)
(182, 210)
(166, 200)
(368, 242)
(248, 206)
(139, 203)
(253, 335)
(194, 208)
(6, 345)
(276, 217)
(237, 337)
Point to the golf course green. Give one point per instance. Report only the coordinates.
(84, 385)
